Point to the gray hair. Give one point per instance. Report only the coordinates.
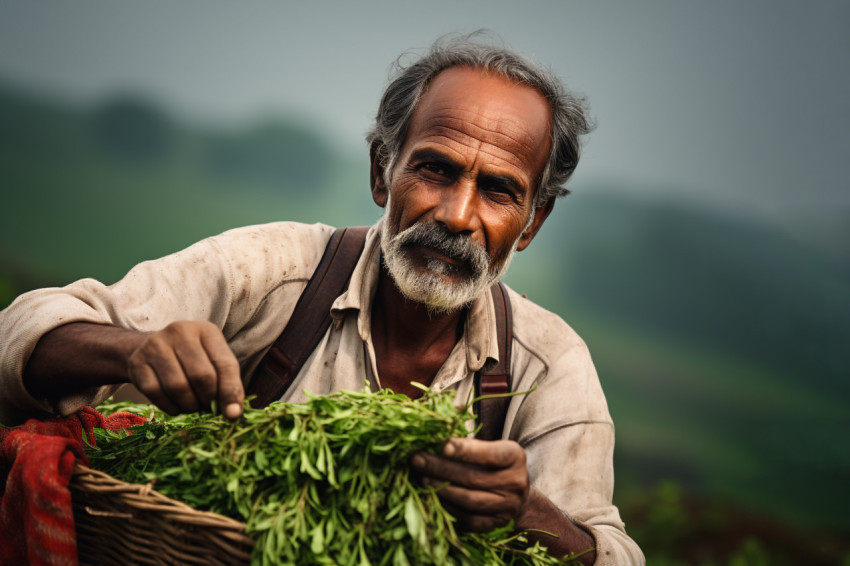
(569, 112)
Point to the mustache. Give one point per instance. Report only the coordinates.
(457, 247)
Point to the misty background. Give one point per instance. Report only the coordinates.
(704, 254)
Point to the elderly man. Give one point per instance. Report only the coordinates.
(470, 148)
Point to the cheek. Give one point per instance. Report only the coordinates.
(505, 229)
(409, 200)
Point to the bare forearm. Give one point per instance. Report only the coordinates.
(80, 355)
(540, 513)
(183, 367)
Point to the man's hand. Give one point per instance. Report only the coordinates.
(485, 484)
(185, 366)
(181, 368)
(487, 480)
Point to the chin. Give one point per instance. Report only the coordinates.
(440, 293)
(440, 286)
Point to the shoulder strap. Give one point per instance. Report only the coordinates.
(310, 319)
(497, 379)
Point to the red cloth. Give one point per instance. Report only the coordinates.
(36, 461)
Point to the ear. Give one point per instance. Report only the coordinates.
(540, 215)
(380, 192)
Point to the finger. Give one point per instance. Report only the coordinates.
(470, 521)
(199, 371)
(161, 358)
(144, 379)
(469, 475)
(442, 469)
(485, 494)
(476, 501)
(231, 392)
(485, 453)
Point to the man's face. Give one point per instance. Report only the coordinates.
(462, 190)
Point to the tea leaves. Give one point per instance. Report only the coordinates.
(323, 482)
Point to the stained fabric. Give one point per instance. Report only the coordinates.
(36, 463)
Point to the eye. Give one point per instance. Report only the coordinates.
(436, 171)
(501, 193)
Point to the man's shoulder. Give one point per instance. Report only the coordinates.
(283, 231)
(551, 357)
(540, 330)
(291, 247)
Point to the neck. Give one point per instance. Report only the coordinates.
(406, 324)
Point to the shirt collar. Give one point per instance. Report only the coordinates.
(479, 337)
(362, 286)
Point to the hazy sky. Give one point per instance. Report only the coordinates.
(732, 102)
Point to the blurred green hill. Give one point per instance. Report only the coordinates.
(720, 343)
(92, 192)
(719, 339)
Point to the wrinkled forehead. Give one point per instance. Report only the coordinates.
(476, 106)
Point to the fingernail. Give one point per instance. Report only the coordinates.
(449, 449)
(418, 461)
(233, 411)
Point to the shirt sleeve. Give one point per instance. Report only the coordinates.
(151, 295)
(567, 432)
(224, 279)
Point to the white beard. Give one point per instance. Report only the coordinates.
(433, 286)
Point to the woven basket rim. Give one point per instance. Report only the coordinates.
(144, 498)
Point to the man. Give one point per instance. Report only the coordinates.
(471, 145)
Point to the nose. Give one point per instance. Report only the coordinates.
(457, 209)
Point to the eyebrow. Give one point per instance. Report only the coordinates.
(435, 156)
(503, 181)
(508, 181)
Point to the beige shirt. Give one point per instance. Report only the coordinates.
(247, 282)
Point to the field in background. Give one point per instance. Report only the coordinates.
(719, 340)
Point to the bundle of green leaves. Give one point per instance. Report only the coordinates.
(323, 482)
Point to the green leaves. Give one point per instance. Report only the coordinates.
(413, 520)
(324, 482)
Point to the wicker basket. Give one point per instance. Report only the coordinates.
(122, 524)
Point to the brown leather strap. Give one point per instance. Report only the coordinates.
(497, 379)
(310, 319)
